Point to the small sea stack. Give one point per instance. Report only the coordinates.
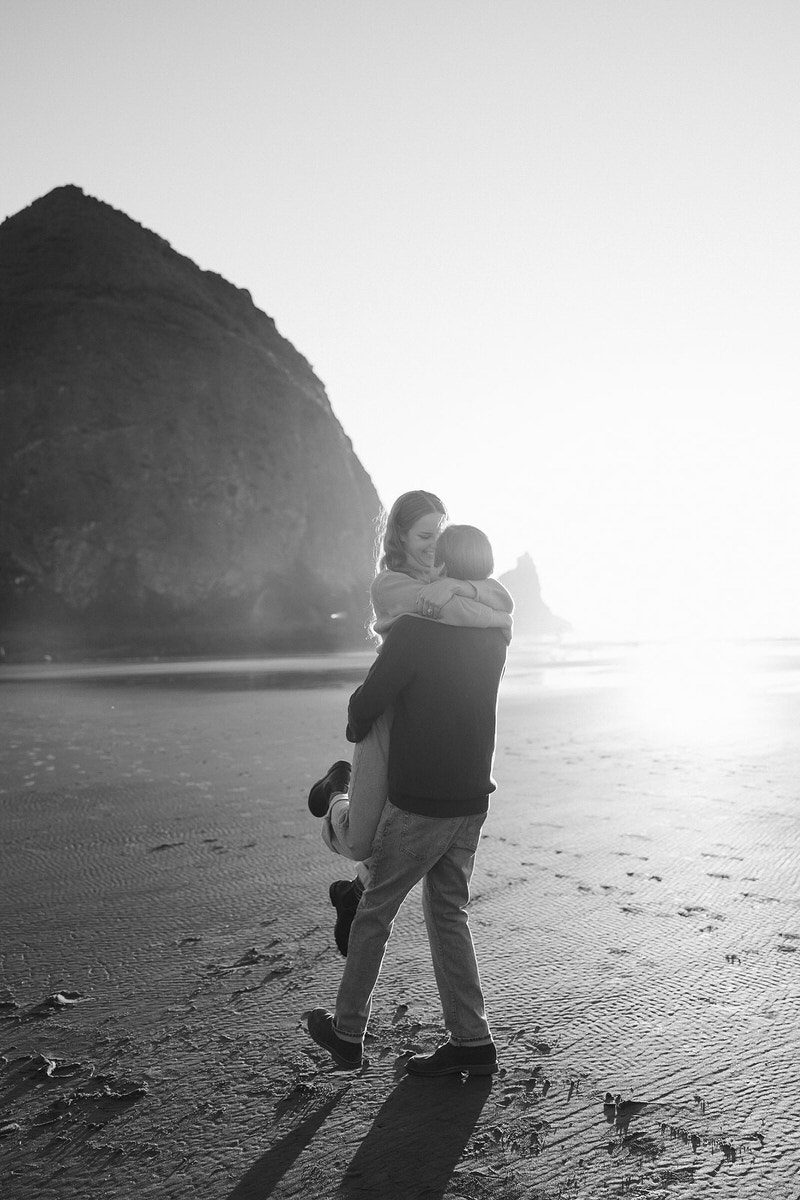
(532, 617)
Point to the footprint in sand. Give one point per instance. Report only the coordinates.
(248, 959)
(57, 1002)
(97, 1101)
(621, 1112)
(53, 1068)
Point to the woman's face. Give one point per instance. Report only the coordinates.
(420, 542)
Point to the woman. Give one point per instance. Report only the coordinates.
(408, 582)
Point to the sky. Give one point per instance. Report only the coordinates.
(543, 254)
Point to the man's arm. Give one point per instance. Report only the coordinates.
(388, 675)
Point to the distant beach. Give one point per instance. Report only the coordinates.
(636, 909)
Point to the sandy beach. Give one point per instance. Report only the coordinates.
(166, 926)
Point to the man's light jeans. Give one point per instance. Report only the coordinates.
(407, 848)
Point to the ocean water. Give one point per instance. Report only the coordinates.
(674, 691)
(768, 664)
(764, 663)
(678, 692)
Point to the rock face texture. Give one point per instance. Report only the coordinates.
(172, 476)
(532, 617)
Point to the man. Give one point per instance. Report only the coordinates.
(441, 681)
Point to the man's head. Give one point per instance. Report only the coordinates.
(465, 552)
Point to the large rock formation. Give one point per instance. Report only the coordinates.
(172, 476)
(532, 617)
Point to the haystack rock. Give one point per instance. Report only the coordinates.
(532, 617)
(172, 476)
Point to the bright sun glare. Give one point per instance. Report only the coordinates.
(695, 692)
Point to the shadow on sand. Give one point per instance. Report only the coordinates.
(412, 1149)
(417, 1139)
(264, 1175)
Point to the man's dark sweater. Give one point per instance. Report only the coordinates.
(441, 681)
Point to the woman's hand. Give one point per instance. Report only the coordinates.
(432, 598)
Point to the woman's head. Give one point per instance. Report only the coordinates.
(409, 532)
(465, 552)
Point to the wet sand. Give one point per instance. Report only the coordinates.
(165, 926)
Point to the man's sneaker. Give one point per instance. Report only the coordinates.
(453, 1060)
(345, 895)
(336, 780)
(347, 1055)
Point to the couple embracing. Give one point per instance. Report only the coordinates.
(412, 807)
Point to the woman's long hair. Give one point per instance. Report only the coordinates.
(465, 552)
(390, 550)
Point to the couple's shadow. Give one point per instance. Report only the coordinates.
(411, 1150)
(417, 1139)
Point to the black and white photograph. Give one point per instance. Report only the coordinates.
(399, 599)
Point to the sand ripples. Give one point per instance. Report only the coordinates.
(636, 917)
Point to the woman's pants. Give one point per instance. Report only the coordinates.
(350, 825)
(406, 849)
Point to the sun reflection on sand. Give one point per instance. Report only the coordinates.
(696, 691)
